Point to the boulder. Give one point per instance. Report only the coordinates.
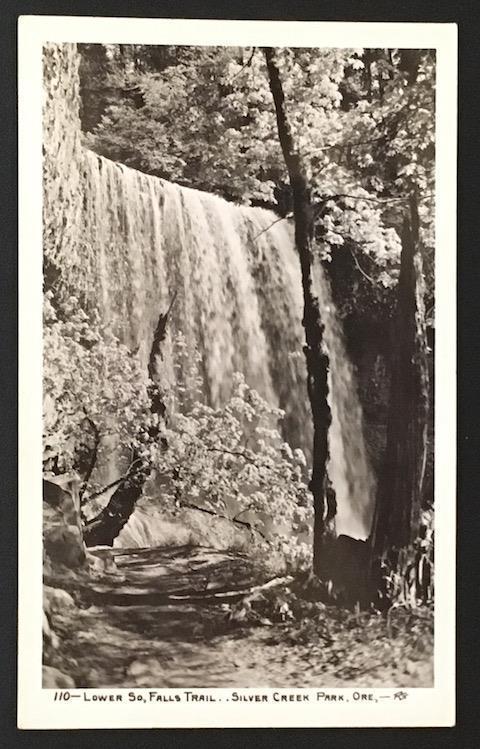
(52, 678)
(56, 599)
(49, 636)
(64, 545)
(101, 560)
(61, 493)
(62, 526)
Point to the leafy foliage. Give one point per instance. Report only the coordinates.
(233, 462)
(230, 461)
(89, 376)
(362, 119)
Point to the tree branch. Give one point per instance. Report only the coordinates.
(159, 337)
(246, 509)
(342, 146)
(118, 481)
(281, 218)
(372, 280)
(244, 523)
(370, 198)
(239, 454)
(106, 526)
(245, 65)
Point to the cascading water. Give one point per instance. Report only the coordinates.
(349, 467)
(238, 294)
(239, 304)
(126, 242)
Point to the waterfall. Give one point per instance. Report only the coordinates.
(140, 239)
(349, 467)
(126, 242)
(239, 299)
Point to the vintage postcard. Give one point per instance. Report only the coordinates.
(237, 373)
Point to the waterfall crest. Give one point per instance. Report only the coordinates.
(239, 304)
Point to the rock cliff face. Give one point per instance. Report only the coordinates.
(61, 152)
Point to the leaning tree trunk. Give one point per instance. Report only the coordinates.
(396, 522)
(316, 359)
(105, 527)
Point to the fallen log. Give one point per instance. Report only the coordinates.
(232, 595)
(128, 594)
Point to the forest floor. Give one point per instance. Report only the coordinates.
(181, 617)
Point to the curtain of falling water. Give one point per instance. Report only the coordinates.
(349, 468)
(239, 302)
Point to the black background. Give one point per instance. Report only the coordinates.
(466, 735)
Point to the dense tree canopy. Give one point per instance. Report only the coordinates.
(363, 121)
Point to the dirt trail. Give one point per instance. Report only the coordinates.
(127, 630)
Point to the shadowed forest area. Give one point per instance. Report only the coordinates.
(238, 366)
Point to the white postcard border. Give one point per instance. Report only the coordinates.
(36, 706)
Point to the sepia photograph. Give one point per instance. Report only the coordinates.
(238, 381)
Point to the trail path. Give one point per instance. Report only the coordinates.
(126, 630)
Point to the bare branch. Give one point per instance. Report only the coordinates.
(237, 453)
(172, 302)
(244, 523)
(369, 278)
(355, 259)
(281, 218)
(246, 509)
(245, 65)
(342, 146)
(105, 489)
(253, 460)
(369, 198)
(118, 481)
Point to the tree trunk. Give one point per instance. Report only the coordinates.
(396, 522)
(316, 359)
(103, 529)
